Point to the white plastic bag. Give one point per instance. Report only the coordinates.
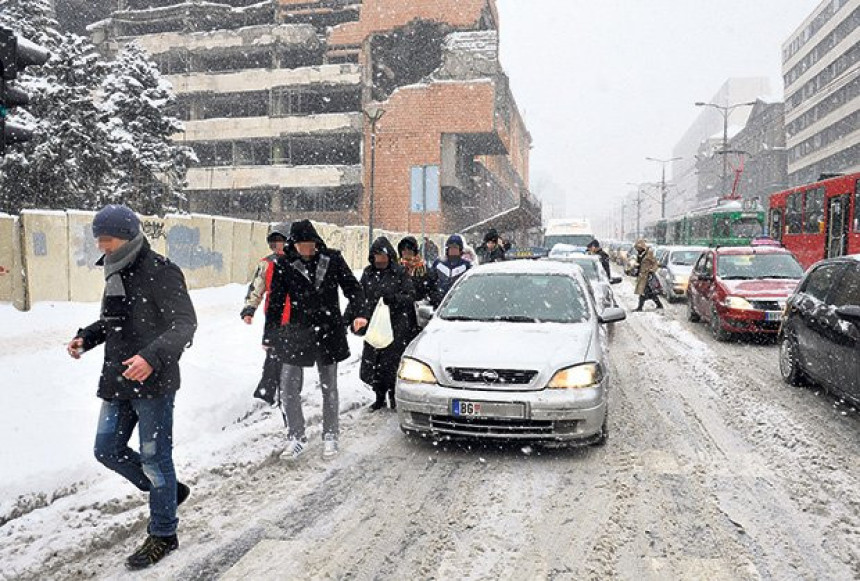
(379, 332)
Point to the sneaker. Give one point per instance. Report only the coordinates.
(295, 448)
(152, 551)
(329, 446)
(182, 492)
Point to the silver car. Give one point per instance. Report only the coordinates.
(676, 264)
(514, 352)
(595, 276)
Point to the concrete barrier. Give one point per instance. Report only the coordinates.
(51, 255)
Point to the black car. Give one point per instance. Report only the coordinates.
(820, 334)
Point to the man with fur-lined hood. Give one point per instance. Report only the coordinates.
(648, 266)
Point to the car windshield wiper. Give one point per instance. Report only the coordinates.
(461, 318)
(783, 277)
(736, 277)
(516, 319)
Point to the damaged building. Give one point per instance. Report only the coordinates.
(276, 99)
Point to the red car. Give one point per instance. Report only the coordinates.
(742, 289)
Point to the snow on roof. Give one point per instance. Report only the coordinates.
(528, 267)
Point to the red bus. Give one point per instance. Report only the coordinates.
(818, 220)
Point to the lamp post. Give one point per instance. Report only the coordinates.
(725, 110)
(374, 113)
(663, 182)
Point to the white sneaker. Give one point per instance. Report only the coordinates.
(295, 448)
(329, 446)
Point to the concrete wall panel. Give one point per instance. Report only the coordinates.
(222, 243)
(8, 233)
(241, 256)
(190, 245)
(86, 280)
(46, 255)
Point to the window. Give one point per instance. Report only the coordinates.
(814, 212)
(425, 188)
(776, 224)
(722, 225)
(820, 280)
(857, 206)
(794, 214)
(847, 290)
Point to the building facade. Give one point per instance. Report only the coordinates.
(821, 72)
(276, 97)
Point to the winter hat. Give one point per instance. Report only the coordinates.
(593, 244)
(491, 236)
(304, 231)
(382, 246)
(117, 221)
(408, 243)
(279, 233)
(641, 245)
(454, 240)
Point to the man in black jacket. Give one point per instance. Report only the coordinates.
(492, 250)
(306, 281)
(594, 249)
(146, 322)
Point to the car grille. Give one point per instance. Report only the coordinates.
(491, 426)
(766, 305)
(491, 376)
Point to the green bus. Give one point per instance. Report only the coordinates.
(729, 223)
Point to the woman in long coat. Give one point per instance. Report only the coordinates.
(648, 266)
(385, 279)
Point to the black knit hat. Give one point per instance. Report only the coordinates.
(116, 221)
(408, 243)
(593, 244)
(491, 236)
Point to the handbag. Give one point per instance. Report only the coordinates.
(654, 284)
(380, 334)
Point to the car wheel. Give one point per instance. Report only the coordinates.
(789, 365)
(692, 315)
(717, 330)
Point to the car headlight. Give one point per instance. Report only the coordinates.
(738, 303)
(578, 376)
(414, 371)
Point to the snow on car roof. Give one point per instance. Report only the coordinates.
(751, 250)
(528, 267)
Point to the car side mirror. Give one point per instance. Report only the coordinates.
(612, 315)
(615, 280)
(849, 313)
(425, 313)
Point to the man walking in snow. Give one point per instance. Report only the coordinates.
(305, 284)
(260, 288)
(146, 322)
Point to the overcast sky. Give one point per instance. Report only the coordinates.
(605, 83)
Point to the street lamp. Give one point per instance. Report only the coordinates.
(725, 110)
(663, 182)
(374, 113)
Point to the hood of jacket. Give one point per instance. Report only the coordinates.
(304, 231)
(382, 246)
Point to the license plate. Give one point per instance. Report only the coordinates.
(772, 315)
(485, 409)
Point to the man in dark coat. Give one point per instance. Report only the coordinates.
(306, 281)
(594, 249)
(385, 279)
(423, 279)
(491, 250)
(269, 385)
(453, 267)
(146, 322)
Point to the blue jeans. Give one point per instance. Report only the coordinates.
(152, 469)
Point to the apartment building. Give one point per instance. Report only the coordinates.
(821, 72)
(275, 97)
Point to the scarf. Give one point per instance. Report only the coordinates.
(414, 266)
(114, 295)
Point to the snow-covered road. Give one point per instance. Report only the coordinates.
(714, 470)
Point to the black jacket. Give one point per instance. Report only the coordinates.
(485, 255)
(159, 323)
(316, 332)
(394, 286)
(604, 261)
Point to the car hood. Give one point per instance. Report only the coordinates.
(543, 347)
(760, 288)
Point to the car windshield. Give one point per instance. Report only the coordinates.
(590, 267)
(754, 266)
(516, 298)
(685, 257)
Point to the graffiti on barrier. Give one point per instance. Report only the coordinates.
(40, 244)
(153, 229)
(4, 270)
(183, 248)
(86, 253)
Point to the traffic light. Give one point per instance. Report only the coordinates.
(15, 55)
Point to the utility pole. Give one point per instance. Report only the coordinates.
(725, 110)
(663, 162)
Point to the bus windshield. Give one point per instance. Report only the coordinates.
(747, 228)
(572, 239)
